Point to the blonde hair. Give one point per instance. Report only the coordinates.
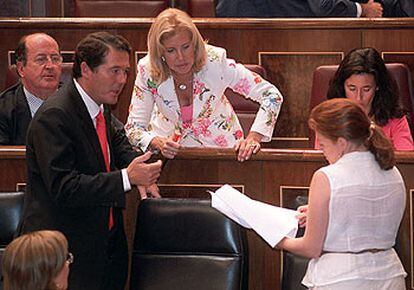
(32, 261)
(167, 24)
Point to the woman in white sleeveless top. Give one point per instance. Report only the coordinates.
(355, 205)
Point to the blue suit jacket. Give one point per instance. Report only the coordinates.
(287, 8)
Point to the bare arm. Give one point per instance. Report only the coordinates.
(311, 244)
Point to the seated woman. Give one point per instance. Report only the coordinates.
(355, 205)
(38, 260)
(363, 77)
(179, 100)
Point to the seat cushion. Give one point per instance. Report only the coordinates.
(11, 205)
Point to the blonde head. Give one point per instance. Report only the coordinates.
(167, 24)
(32, 261)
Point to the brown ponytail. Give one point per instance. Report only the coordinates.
(344, 118)
(381, 147)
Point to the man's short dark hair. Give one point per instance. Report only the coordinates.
(94, 48)
(20, 52)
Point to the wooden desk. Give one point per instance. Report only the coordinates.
(289, 50)
(275, 176)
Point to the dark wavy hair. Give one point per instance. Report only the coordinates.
(386, 103)
(95, 47)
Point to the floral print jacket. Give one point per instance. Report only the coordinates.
(155, 110)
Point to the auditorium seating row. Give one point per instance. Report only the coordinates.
(178, 244)
(139, 8)
(281, 177)
(246, 109)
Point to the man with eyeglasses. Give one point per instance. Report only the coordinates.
(39, 67)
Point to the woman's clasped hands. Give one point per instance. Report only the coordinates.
(168, 147)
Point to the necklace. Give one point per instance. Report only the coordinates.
(182, 84)
(182, 87)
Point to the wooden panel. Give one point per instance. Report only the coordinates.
(290, 196)
(247, 41)
(192, 190)
(406, 57)
(389, 39)
(275, 176)
(12, 167)
(292, 73)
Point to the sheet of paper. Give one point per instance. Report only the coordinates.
(272, 223)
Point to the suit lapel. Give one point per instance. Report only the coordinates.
(86, 124)
(23, 114)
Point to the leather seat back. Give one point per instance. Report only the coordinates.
(187, 244)
(11, 207)
(119, 8)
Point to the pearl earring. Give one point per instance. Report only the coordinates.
(163, 58)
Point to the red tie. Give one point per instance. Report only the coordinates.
(101, 131)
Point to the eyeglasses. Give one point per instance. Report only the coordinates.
(43, 59)
(70, 258)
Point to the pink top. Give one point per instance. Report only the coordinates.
(398, 131)
(187, 113)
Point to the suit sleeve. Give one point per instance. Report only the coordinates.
(398, 8)
(67, 165)
(122, 151)
(4, 128)
(333, 8)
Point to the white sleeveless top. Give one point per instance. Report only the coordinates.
(365, 210)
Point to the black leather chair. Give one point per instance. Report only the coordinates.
(294, 267)
(185, 244)
(11, 206)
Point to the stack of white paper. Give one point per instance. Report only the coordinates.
(272, 223)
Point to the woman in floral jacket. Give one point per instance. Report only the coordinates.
(178, 98)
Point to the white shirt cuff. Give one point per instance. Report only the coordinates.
(125, 180)
(146, 141)
(359, 9)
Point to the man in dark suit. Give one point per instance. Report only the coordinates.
(298, 8)
(79, 172)
(398, 8)
(39, 66)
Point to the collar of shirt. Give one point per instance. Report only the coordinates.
(33, 101)
(92, 107)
